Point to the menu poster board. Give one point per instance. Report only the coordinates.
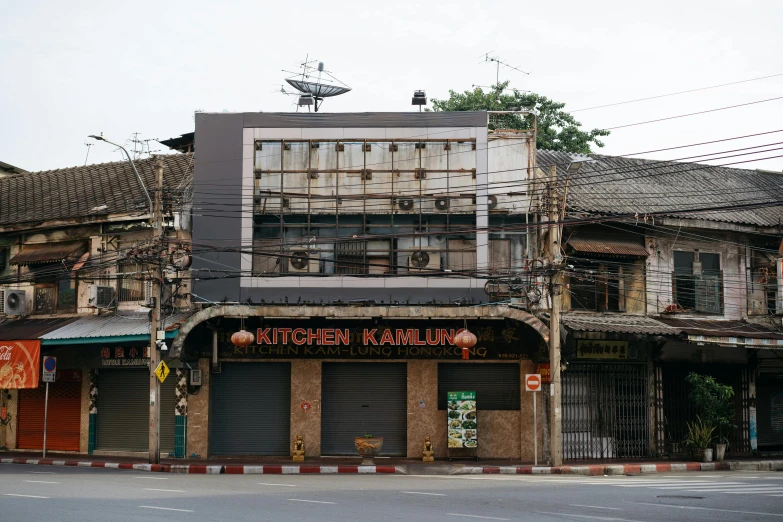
(462, 419)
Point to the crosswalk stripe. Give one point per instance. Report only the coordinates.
(705, 485)
(760, 490)
(667, 485)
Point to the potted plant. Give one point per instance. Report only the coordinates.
(698, 440)
(714, 402)
(368, 447)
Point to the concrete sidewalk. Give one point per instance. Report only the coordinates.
(324, 466)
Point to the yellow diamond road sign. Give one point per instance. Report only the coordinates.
(162, 371)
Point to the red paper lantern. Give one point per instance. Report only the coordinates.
(465, 339)
(242, 338)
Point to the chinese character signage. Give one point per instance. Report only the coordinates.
(19, 364)
(599, 349)
(462, 419)
(544, 371)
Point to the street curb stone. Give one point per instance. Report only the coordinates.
(587, 470)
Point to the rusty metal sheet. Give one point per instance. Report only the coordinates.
(609, 247)
(22, 329)
(701, 327)
(49, 253)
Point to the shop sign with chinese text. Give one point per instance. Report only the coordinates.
(600, 349)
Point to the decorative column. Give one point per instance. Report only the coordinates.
(181, 415)
(93, 426)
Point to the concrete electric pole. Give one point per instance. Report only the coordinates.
(555, 289)
(155, 325)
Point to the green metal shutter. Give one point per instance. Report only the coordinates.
(123, 410)
(251, 409)
(359, 398)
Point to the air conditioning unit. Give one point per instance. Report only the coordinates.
(424, 260)
(16, 302)
(442, 203)
(304, 260)
(2, 302)
(101, 296)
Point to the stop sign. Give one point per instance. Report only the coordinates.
(533, 382)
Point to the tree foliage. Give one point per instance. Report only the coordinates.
(714, 402)
(557, 130)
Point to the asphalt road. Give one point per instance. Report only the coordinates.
(83, 494)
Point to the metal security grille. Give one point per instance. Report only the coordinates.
(251, 409)
(359, 398)
(769, 414)
(674, 408)
(605, 411)
(123, 411)
(62, 431)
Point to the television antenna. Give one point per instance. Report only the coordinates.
(498, 63)
(312, 86)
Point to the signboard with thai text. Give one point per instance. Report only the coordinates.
(462, 419)
(600, 349)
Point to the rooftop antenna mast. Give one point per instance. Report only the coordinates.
(88, 145)
(312, 93)
(498, 62)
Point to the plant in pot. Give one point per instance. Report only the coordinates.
(715, 404)
(698, 439)
(368, 447)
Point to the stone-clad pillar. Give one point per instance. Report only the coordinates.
(181, 414)
(93, 422)
(198, 414)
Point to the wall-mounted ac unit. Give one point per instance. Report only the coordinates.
(424, 260)
(16, 302)
(304, 260)
(101, 296)
(442, 203)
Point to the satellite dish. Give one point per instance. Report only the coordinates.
(313, 90)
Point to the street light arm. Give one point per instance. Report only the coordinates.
(141, 181)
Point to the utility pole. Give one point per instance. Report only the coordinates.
(157, 276)
(555, 289)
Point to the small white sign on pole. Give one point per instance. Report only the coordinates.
(49, 372)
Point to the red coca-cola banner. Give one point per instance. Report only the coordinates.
(19, 364)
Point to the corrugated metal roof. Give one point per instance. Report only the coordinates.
(721, 328)
(635, 324)
(610, 247)
(30, 329)
(125, 323)
(616, 185)
(49, 253)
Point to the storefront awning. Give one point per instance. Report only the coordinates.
(122, 328)
(615, 323)
(49, 254)
(726, 333)
(612, 247)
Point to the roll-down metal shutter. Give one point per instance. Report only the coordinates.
(769, 413)
(123, 410)
(63, 424)
(359, 398)
(251, 409)
(496, 385)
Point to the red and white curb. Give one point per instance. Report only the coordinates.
(624, 469)
(213, 470)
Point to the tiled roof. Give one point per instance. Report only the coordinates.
(92, 190)
(618, 185)
(635, 324)
(616, 247)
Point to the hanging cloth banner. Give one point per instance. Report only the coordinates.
(19, 364)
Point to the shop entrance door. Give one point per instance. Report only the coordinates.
(251, 409)
(62, 431)
(769, 412)
(364, 398)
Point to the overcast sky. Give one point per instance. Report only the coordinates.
(69, 69)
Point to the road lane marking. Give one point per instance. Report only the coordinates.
(166, 490)
(41, 482)
(424, 493)
(475, 516)
(595, 507)
(151, 478)
(43, 472)
(587, 516)
(168, 509)
(780, 515)
(25, 496)
(310, 501)
(274, 484)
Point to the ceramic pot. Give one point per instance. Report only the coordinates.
(720, 452)
(368, 447)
